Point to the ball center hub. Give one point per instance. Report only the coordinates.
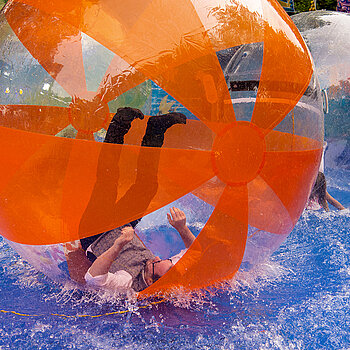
(238, 153)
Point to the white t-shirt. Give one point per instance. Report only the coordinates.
(120, 281)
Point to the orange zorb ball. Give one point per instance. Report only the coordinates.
(250, 146)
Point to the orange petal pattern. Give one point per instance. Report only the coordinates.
(61, 189)
(219, 247)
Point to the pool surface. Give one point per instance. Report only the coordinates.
(298, 299)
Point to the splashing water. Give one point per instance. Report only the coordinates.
(298, 299)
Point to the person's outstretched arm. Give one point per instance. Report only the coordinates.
(103, 263)
(177, 219)
(334, 202)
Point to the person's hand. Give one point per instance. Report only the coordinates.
(127, 234)
(177, 218)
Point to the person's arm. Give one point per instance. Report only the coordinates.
(334, 202)
(103, 263)
(177, 219)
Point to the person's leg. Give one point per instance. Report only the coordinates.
(158, 125)
(106, 186)
(121, 123)
(146, 184)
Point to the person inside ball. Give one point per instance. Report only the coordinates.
(319, 197)
(120, 261)
(127, 264)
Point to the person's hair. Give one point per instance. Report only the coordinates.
(319, 191)
(156, 278)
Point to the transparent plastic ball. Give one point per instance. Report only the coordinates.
(327, 35)
(110, 114)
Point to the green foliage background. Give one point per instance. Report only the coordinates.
(304, 5)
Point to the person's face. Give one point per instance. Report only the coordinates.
(156, 268)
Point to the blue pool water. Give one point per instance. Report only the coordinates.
(298, 299)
